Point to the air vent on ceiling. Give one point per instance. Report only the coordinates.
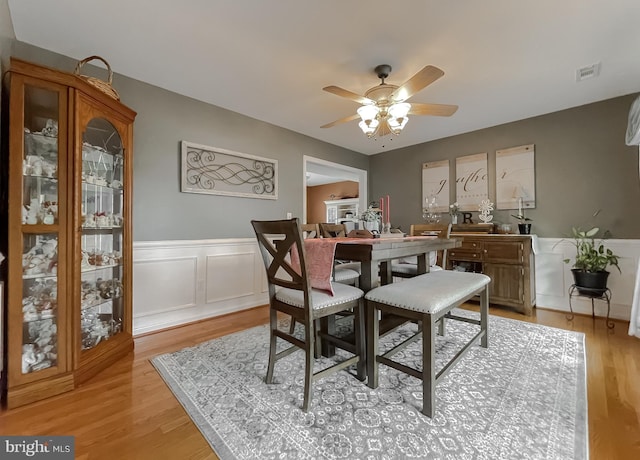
(590, 71)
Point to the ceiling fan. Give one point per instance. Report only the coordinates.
(384, 110)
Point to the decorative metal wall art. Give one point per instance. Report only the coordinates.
(216, 171)
(516, 178)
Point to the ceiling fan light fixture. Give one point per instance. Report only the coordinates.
(383, 109)
(368, 113)
(400, 110)
(397, 124)
(369, 128)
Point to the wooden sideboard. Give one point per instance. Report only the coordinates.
(507, 259)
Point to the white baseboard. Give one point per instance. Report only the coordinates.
(177, 282)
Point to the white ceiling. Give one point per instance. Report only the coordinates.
(504, 60)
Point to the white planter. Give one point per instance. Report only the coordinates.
(371, 226)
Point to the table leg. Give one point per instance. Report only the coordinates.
(423, 267)
(368, 275)
(386, 274)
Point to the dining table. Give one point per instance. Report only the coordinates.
(375, 254)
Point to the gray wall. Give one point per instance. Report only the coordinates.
(582, 165)
(7, 37)
(161, 211)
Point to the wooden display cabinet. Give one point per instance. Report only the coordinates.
(507, 259)
(69, 259)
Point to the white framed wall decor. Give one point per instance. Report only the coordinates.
(435, 183)
(472, 181)
(516, 177)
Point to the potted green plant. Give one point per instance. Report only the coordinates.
(592, 260)
(523, 226)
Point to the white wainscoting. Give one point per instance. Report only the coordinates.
(177, 282)
(554, 277)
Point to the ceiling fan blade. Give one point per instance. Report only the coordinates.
(440, 110)
(422, 79)
(355, 116)
(348, 94)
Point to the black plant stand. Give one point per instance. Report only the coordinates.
(593, 294)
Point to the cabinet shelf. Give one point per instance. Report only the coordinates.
(100, 230)
(97, 268)
(37, 229)
(42, 276)
(99, 303)
(107, 188)
(40, 318)
(41, 176)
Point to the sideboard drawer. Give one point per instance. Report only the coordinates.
(471, 245)
(464, 254)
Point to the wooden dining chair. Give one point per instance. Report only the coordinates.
(290, 292)
(310, 231)
(408, 267)
(328, 230)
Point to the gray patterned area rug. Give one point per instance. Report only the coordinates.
(523, 397)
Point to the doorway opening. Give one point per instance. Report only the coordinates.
(317, 171)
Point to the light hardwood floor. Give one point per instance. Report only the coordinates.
(127, 412)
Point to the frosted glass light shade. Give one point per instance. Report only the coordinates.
(397, 124)
(370, 128)
(368, 113)
(399, 110)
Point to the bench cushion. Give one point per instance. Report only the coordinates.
(431, 292)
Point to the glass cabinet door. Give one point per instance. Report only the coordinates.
(101, 241)
(41, 234)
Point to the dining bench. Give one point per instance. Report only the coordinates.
(425, 299)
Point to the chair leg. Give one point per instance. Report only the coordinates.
(484, 317)
(358, 326)
(428, 366)
(273, 325)
(372, 333)
(292, 325)
(328, 326)
(309, 352)
(441, 326)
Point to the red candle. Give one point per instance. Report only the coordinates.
(388, 210)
